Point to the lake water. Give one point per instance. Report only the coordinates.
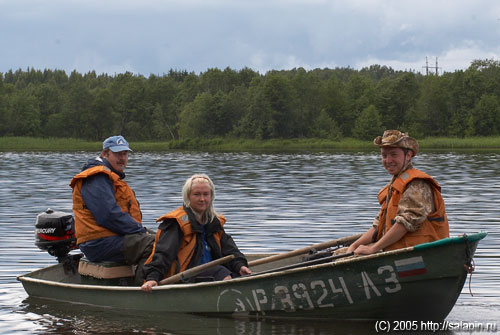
(274, 202)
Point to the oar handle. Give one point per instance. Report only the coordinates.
(306, 263)
(305, 250)
(189, 273)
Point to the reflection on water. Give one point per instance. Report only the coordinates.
(273, 202)
(61, 318)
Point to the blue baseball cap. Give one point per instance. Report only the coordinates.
(116, 144)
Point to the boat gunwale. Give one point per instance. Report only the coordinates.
(350, 259)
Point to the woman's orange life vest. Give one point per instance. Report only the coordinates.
(86, 227)
(188, 243)
(435, 226)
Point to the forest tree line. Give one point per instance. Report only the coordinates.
(320, 103)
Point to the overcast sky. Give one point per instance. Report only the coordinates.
(154, 36)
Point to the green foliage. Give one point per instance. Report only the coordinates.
(325, 127)
(369, 124)
(279, 106)
(336, 106)
(484, 118)
(183, 107)
(195, 119)
(20, 143)
(395, 98)
(432, 113)
(25, 116)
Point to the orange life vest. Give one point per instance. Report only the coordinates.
(188, 243)
(435, 227)
(86, 227)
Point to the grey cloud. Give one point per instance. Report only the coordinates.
(153, 36)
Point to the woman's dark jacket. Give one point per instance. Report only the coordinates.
(168, 243)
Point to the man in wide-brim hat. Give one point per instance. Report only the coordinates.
(413, 209)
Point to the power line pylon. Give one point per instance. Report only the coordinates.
(427, 67)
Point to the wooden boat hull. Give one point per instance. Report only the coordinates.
(416, 283)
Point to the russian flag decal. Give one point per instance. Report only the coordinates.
(410, 266)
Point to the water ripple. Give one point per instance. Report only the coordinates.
(273, 203)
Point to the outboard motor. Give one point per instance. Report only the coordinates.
(55, 233)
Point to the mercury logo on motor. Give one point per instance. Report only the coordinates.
(45, 230)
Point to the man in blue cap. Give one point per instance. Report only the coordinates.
(107, 214)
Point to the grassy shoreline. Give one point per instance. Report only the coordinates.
(22, 144)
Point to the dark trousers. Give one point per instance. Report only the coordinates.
(215, 273)
(136, 250)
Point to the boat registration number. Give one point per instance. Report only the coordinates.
(312, 294)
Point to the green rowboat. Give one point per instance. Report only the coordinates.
(416, 283)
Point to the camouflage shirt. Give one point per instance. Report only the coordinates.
(416, 203)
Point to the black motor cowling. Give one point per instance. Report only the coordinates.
(55, 233)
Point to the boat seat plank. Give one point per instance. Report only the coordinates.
(104, 270)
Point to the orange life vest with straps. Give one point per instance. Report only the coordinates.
(86, 227)
(188, 243)
(435, 226)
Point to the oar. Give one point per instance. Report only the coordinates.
(306, 263)
(305, 250)
(189, 273)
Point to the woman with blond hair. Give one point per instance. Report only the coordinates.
(192, 235)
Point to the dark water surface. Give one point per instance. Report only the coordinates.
(273, 203)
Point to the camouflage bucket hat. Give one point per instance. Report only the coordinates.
(395, 138)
